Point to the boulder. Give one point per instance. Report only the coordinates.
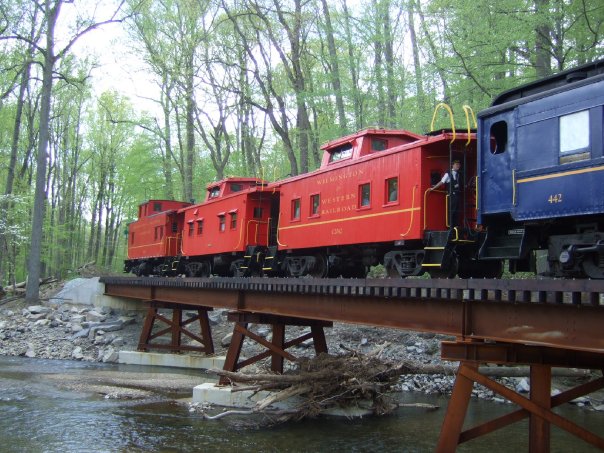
(77, 354)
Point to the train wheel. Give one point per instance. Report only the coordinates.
(198, 269)
(393, 272)
(320, 268)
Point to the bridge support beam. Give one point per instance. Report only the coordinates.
(176, 328)
(276, 348)
(538, 407)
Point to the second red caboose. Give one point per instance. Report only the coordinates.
(224, 234)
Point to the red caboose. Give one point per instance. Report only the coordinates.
(370, 202)
(154, 239)
(229, 232)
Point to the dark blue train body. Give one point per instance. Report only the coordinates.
(541, 175)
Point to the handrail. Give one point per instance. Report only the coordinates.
(448, 109)
(514, 187)
(467, 108)
(278, 223)
(477, 193)
(412, 212)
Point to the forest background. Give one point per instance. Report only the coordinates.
(238, 87)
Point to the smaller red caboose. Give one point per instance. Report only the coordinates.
(228, 233)
(154, 239)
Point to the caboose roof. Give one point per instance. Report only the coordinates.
(403, 134)
(234, 179)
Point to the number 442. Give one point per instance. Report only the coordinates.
(556, 198)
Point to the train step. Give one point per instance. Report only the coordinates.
(502, 245)
(435, 248)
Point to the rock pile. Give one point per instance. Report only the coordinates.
(63, 332)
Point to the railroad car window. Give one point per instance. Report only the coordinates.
(341, 152)
(191, 228)
(221, 222)
(257, 213)
(174, 227)
(315, 203)
(378, 144)
(233, 220)
(214, 192)
(236, 187)
(365, 195)
(296, 209)
(391, 190)
(157, 207)
(199, 227)
(574, 136)
(499, 137)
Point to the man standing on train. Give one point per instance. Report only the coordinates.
(454, 179)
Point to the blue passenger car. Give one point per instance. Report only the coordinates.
(541, 174)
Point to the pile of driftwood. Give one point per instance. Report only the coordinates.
(323, 383)
(17, 290)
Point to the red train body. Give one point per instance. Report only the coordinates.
(154, 239)
(369, 203)
(234, 217)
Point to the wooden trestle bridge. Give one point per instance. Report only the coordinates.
(539, 323)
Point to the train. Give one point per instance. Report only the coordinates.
(522, 185)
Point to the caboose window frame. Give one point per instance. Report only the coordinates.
(221, 222)
(365, 199)
(389, 191)
(199, 227)
(233, 220)
(378, 144)
(191, 228)
(315, 205)
(296, 209)
(341, 152)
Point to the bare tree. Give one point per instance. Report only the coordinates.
(49, 10)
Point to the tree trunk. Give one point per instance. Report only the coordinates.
(356, 98)
(378, 44)
(35, 252)
(439, 69)
(419, 83)
(335, 69)
(543, 36)
(190, 130)
(392, 94)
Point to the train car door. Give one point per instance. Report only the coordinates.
(497, 151)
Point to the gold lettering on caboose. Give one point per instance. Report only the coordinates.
(338, 199)
(340, 177)
(338, 209)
